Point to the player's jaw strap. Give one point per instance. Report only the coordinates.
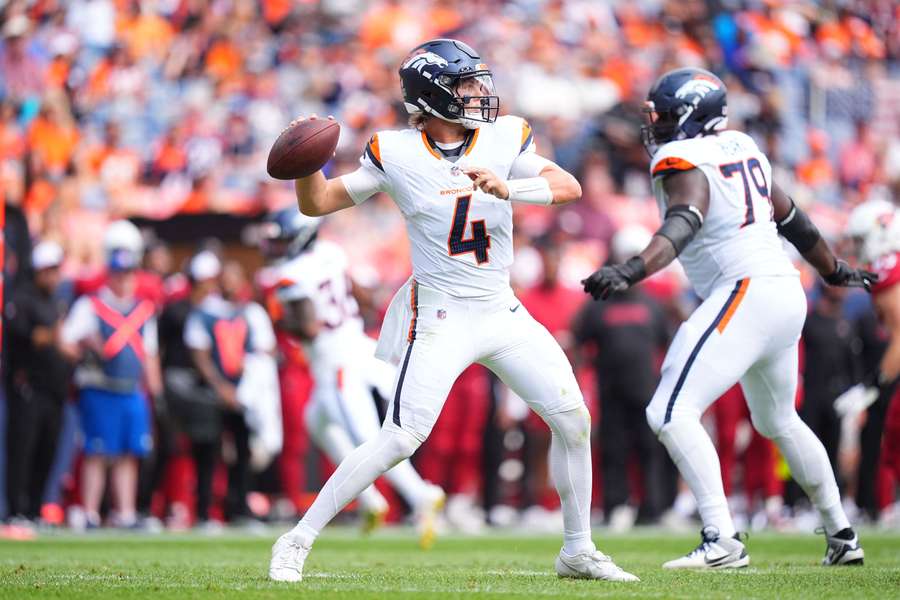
(681, 224)
(799, 230)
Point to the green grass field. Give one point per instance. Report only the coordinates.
(389, 565)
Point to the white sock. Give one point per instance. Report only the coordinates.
(570, 468)
(809, 465)
(357, 472)
(697, 461)
(335, 442)
(406, 480)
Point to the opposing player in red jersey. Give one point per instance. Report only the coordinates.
(874, 227)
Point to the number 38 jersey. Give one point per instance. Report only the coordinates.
(461, 238)
(738, 238)
(320, 274)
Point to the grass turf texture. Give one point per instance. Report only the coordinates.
(388, 565)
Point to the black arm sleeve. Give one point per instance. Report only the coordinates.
(681, 224)
(799, 230)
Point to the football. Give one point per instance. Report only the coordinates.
(303, 148)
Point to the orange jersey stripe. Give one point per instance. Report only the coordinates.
(737, 301)
(472, 143)
(373, 145)
(526, 131)
(428, 146)
(672, 163)
(414, 305)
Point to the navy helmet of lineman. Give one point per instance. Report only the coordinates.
(684, 103)
(448, 79)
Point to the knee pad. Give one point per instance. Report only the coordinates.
(572, 424)
(398, 444)
(775, 425)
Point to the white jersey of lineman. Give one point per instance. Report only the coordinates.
(321, 275)
(738, 238)
(461, 238)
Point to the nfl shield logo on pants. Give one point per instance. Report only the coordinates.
(441, 314)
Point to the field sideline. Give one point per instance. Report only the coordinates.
(388, 564)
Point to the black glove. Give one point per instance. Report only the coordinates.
(846, 276)
(614, 278)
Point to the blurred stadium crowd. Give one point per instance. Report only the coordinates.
(160, 110)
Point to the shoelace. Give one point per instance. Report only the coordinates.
(605, 558)
(702, 548)
(831, 539)
(291, 560)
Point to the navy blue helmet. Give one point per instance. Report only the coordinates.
(682, 104)
(448, 79)
(288, 232)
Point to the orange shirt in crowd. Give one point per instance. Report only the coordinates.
(816, 171)
(223, 59)
(276, 11)
(146, 34)
(393, 26)
(169, 158)
(54, 143)
(58, 73)
(40, 196)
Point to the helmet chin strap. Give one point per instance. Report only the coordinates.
(467, 123)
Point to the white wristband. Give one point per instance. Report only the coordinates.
(533, 190)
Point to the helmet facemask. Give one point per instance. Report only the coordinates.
(474, 100)
(661, 128)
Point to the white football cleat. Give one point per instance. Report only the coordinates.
(843, 549)
(714, 552)
(426, 515)
(288, 555)
(591, 565)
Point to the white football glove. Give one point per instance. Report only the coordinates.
(855, 400)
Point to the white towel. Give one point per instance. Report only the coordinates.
(259, 394)
(395, 328)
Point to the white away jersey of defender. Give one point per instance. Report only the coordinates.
(461, 238)
(321, 275)
(738, 238)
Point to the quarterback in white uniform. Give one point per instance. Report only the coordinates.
(722, 216)
(315, 296)
(454, 176)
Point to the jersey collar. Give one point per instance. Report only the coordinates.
(468, 144)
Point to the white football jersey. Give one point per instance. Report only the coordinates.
(461, 239)
(320, 274)
(738, 238)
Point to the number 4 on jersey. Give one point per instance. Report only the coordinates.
(480, 240)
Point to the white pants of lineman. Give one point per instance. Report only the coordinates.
(342, 415)
(437, 337)
(745, 331)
